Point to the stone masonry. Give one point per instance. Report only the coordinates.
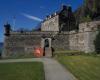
(59, 33)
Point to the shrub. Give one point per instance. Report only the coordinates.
(97, 43)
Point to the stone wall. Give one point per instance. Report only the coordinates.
(24, 43)
(61, 41)
(51, 24)
(19, 43)
(83, 40)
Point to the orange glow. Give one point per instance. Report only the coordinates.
(38, 52)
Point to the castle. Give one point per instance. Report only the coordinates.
(58, 31)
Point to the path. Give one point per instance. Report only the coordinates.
(53, 70)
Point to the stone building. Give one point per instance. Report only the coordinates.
(58, 31)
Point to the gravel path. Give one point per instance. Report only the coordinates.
(53, 69)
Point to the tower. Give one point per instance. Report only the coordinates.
(7, 29)
(66, 19)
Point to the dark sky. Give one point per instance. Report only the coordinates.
(29, 13)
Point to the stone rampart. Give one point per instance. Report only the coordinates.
(20, 43)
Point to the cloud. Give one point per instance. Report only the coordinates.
(42, 7)
(31, 17)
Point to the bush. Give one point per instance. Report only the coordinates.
(97, 43)
(86, 19)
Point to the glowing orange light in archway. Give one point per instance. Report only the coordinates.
(38, 52)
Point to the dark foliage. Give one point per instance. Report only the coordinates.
(97, 43)
(67, 19)
(1, 47)
(89, 8)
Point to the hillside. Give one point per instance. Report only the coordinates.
(90, 10)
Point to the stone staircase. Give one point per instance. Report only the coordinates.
(48, 52)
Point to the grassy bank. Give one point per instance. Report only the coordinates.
(82, 66)
(21, 71)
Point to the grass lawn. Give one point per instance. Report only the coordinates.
(22, 71)
(83, 67)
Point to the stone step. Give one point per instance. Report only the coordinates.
(48, 52)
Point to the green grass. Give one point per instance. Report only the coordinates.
(21, 71)
(82, 66)
(66, 52)
(21, 56)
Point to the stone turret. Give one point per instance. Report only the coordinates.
(7, 29)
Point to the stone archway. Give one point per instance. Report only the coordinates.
(46, 45)
(46, 42)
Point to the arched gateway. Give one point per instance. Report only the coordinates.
(46, 45)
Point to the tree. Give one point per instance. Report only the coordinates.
(86, 19)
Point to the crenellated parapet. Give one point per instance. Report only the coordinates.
(33, 33)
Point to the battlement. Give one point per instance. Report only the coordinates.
(83, 27)
(63, 7)
(33, 33)
(50, 16)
